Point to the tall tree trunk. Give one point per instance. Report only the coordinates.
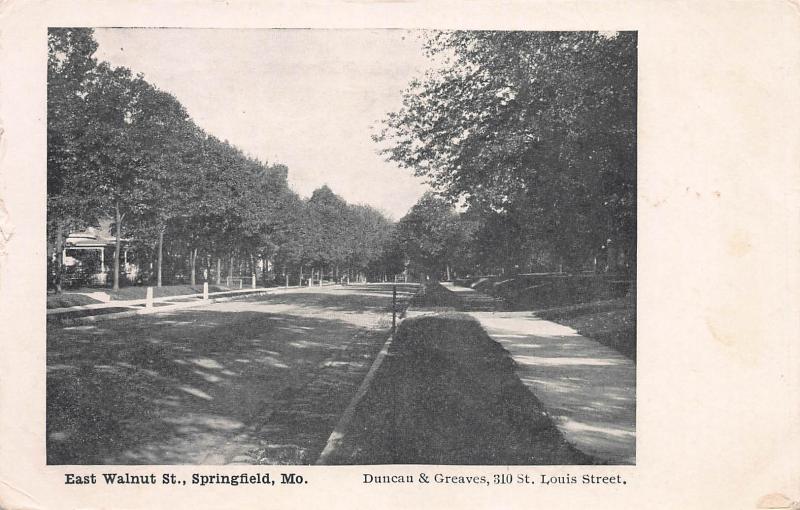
(611, 257)
(117, 244)
(59, 262)
(193, 263)
(219, 270)
(611, 246)
(230, 267)
(630, 257)
(160, 255)
(447, 271)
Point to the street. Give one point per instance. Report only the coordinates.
(260, 380)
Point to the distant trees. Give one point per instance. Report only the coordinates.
(119, 148)
(435, 238)
(536, 133)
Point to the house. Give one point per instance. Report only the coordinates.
(88, 256)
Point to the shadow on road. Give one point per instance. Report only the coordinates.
(373, 298)
(169, 389)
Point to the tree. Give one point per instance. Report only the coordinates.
(433, 237)
(118, 147)
(368, 234)
(164, 135)
(115, 164)
(533, 128)
(327, 216)
(70, 71)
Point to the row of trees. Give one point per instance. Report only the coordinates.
(120, 148)
(534, 134)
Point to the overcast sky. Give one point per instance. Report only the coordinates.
(305, 98)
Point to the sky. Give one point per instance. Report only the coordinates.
(309, 99)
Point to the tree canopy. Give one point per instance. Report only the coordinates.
(536, 133)
(120, 148)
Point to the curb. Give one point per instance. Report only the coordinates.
(336, 437)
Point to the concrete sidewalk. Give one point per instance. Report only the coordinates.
(588, 389)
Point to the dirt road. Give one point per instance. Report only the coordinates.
(261, 380)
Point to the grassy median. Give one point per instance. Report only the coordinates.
(448, 394)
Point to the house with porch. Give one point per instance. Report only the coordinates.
(88, 256)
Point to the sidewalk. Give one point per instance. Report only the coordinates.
(128, 308)
(588, 389)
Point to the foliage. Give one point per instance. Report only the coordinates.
(119, 147)
(535, 131)
(435, 238)
(70, 67)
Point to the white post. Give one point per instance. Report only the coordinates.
(205, 291)
(253, 284)
(102, 259)
(148, 299)
(241, 282)
(287, 281)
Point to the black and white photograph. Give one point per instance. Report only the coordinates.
(393, 254)
(341, 247)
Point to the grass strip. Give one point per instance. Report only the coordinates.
(448, 394)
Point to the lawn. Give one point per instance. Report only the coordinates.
(448, 394)
(610, 322)
(67, 300)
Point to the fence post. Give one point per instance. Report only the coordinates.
(241, 282)
(205, 291)
(253, 284)
(287, 280)
(394, 307)
(148, 299)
